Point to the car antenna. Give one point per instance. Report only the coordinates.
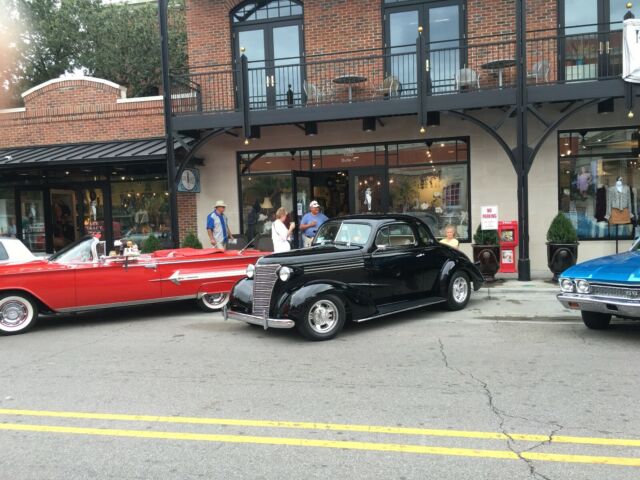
(249, 243)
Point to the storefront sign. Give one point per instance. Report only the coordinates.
(489, 218)
(631, 51)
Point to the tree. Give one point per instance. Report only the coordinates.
(125, 45)
(43, 39)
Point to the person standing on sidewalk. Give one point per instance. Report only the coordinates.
(218, 226)
(311, 222)
(280, 234)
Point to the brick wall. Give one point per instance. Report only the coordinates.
(79, 110)
(187, 220)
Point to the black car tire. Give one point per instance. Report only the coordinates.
(213, 302)
(18, 313)
(595, 320)
(459, 291)
(325, 308)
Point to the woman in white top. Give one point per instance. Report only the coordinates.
(281, 234)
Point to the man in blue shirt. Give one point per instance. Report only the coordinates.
(218, 226)
(311, 222)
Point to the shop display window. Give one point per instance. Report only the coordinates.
(140, 207)
(33, 228)
(436, 194)
(8, 226)
(599, 177)
(262, 195)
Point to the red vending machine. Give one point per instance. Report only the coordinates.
(508, 233)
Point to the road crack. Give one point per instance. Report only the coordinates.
(502, 416)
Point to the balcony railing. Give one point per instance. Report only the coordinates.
(582, 53)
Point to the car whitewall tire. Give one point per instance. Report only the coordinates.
(212, 302)
(18, 313)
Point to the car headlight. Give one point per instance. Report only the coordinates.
(566, 285)
(582, 286)
(284, 273)
(251, 269)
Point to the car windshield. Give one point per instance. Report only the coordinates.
(343, 233)
(80, 251)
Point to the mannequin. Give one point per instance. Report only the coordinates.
(619, 209)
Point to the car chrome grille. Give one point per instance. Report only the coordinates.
(615, 292)
(264, 279)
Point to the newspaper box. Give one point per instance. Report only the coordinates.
(508, 235)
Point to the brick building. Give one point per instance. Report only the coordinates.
(414, 102)
(80, 158)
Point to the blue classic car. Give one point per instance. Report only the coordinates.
(604, 287)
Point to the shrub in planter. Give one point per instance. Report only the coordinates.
(486, 252)
(562, 245)
(151, 244)
(191, 241)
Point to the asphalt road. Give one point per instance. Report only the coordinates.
(511, 388)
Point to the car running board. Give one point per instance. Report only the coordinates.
(397, 307)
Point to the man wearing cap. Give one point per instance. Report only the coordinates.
(311, 222)
(218, 226)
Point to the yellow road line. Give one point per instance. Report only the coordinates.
(337, 444)
(612, 442)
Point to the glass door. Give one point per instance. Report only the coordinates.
(592, 46)
(274, 52)
(368, 191)
(302, 193)
(92, 211)
(64, 218)
(442, 24)
(33, 220)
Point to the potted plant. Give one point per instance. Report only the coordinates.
(562, 245)
(151, 244)
(486, 252)
(191, 241)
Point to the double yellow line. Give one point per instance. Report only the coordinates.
(337, 444)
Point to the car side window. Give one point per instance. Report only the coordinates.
(424, 234)
(3, 253)
(382, 239)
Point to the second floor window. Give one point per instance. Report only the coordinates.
(270, 31)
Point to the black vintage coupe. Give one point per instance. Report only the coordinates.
(358, 268)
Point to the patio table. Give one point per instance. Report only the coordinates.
(499, 65)
(349, 80)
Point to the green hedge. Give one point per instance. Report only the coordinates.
(561, 230)
(191, 241)
(485, 237)
(151, 244)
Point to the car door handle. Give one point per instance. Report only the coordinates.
(420, 255)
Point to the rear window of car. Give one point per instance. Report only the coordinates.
(397, 235)
(3, 253)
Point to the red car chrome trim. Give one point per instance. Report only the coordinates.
(124, 304)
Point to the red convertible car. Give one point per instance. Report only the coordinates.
(81, 277)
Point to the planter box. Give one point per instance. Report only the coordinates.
(561, 256)
(487, 257)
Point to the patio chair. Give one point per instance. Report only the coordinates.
(467, 78)
(390, 87)
(540, 71)
(314, 94)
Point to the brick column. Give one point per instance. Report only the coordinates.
(187, 218)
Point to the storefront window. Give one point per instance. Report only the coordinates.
(436, 194)
(32, 211)
(599, 178)
(93, 211)
(262, 195)
(140, 207)
(7, 213)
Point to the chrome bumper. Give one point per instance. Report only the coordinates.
(589, 303)
(255, 320)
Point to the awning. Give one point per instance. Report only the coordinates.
(86, 153)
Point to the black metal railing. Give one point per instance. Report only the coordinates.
(581, 53)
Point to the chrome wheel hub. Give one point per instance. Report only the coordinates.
(323, 316)
(215, 300)
(13, 313)
(460, 290)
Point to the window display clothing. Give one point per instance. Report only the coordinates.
(619, 204)
(601, 204)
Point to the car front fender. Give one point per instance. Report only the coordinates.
(293, 303)
(453, 265)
